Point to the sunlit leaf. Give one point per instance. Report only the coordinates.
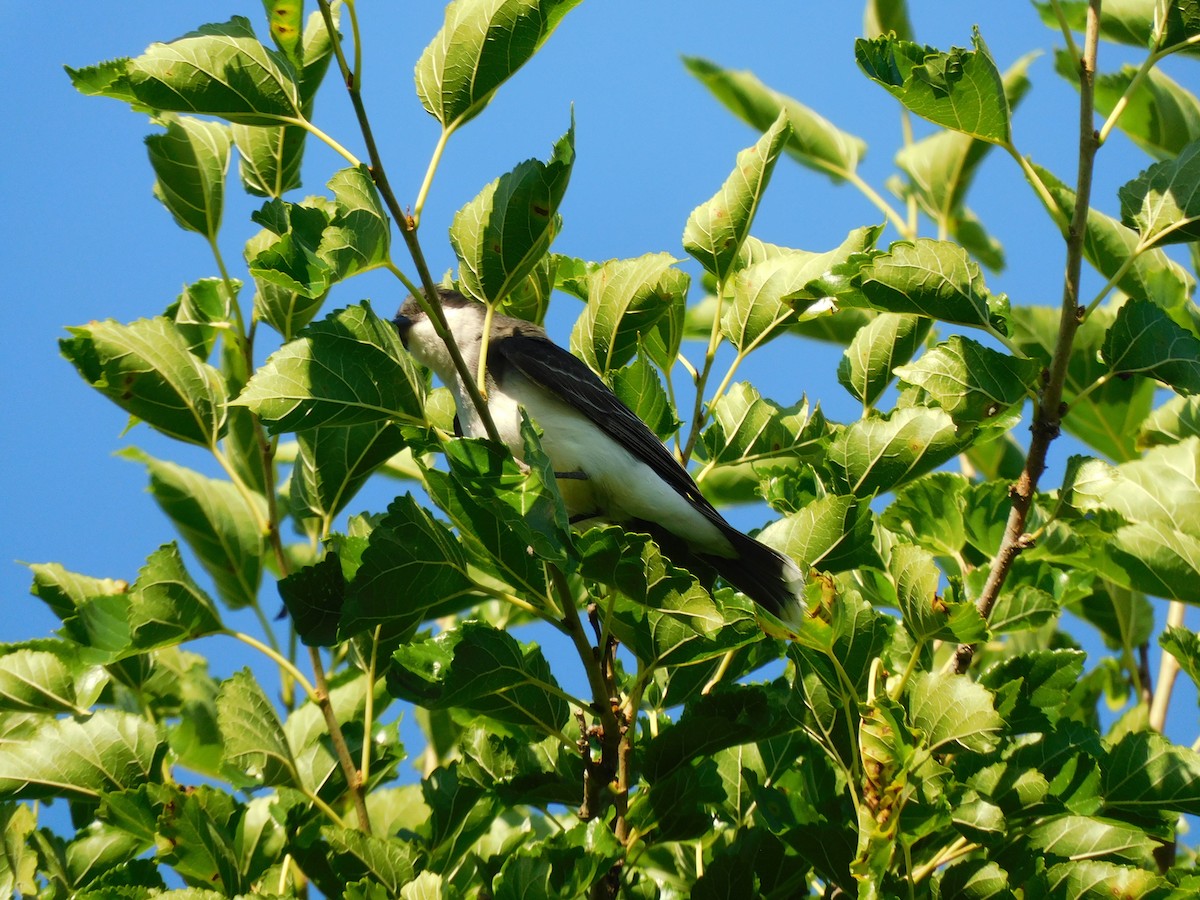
(969, 381)
(953, 709)
(190, 161)
(1145, 341)
(887, 341)
(1163, 202)
(882, 452)
(255, 744)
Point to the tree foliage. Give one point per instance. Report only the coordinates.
(931, 729)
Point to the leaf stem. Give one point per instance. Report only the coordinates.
(1049, 411)
(279, 659)
(364, 766)
(898, 221)
(434, 160)
(325, 138)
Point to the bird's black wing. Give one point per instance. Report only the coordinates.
(551, 367)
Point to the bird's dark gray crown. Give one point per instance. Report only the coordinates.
(411, 309)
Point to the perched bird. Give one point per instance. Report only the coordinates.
(608, 463)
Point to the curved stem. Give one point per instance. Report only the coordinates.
(279, 659)
(436, 158)
(364, 765)
(1168, 669)
(326, 139)
(898, 221)
(1039, 186)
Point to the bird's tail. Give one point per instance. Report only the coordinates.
(763, 574)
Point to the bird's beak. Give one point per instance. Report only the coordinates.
(403, 324)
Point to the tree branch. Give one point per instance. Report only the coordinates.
(1048, 412)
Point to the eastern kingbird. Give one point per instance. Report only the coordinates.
(609, 464)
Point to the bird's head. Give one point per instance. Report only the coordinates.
(465, 318)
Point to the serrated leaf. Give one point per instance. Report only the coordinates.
(639, 387)
(1092, 879)
(1184, 645)
(1021, 608)
(314, 596)
(975, 879)
(833, 534)
(190, 161)
(359, 234)
(165, 606)
(747, 428)
(269, 158)
(254, 742)
(969, 381)
(953, 709)
(201, 311)
(1144, 340)
(1174, 421)
(928, 278)
(347, 369)
(147, 368)
(1108, 245)
(882, 452)
(1084, 837)
(567, 863)
(218, 523)
(106, 79)
(480, 45)
(47, 676)
(887, 341)
(1163, 202)
(1032, 688)
(482, 669)
(627, 299)
(197, 829)
(928, 615)
(332, 463)
(1163, 486)
(409, 556)
(813, 141)
(502, 234)
(18, 862)
(389, 863)
(961, 89)
(460, 811)
(716, 229)
(930, 511)
(110, 751)
(1145, 772)
(218, 70)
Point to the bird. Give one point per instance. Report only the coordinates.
(608, 464)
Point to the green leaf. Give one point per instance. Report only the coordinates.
(347, 369)
(218, 70)
(627, 298)
(460, 811)
(286, 18)
(639, 387)
(833, 534)
(80, 759)
(975, 879)
(64, 592)
(942, 167)
(202, 311)
(746, 428)
(1022, 608)
(812, 141)
(286, 257)
(47, 676)
(106, 79)
(1084, 837)
(887, 341)
(332, 463)
(969, 381)
(147, 368)
(1174, 421)
(482, 669)
(18, 862)
(927, 615)
(1162, 486)
(1159, 115)
(882, 452)
(929, 278)
(217, 522)
(165, 606)
(716, 229)
(1163, 202)
(198, 830)
(479, 47)
(1032, 688)
(953, 709)
(190, 161)
(501, 235)
(254, 742)
(1184, 645)
(1135, 22)
(930, 512)
(887, 16)
(565, 864)
(1144, 340)
(389, 863)
(961, 89)
(1092, 879)
(1146, 773)
(359, 234)
(269, 158)
(411, 556)
(1108, 245)
(314, 597)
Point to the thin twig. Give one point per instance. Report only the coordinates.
(408, 231)
(1048, 412)
(354, 781)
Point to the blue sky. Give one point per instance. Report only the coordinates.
(86, 240)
